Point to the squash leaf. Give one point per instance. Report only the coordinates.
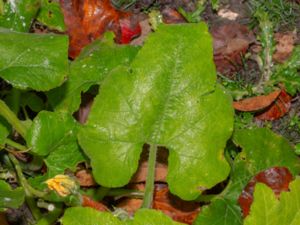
(35, 61)
(51, 15)
(172, 101)
(10, 198)
(90, 68)
(261, 149)
(19, 14)
(266, 209)
(90, 216)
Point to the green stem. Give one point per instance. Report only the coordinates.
(206, 198)
(29, 191)
(15, 103)
(9, 115)
(51, 217)
(35, 211)
(15, 145)
(125, 193)
(149, 189)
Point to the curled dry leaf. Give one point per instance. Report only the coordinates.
(277, 109)
(88, 202)
(174, 207)
(88, 19)
(231, 41)
(284, 45)
(256, 103)
(277, 178)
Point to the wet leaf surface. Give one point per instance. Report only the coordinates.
(147, 104)
(276, 178)
(88, 20)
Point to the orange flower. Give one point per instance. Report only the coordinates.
(64, 185)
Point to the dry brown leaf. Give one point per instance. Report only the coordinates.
(277, 109)
(85, 178)
(230, 42)
(256, 103)
(179, 210)
(284, 45)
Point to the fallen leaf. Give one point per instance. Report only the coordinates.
(3, 220)
(172, 16)
(85, 178)
(231, 42)
(179, 210)
(87, 20)
(277, 109)
(88, 202)
(256, 103)
(284, 45)
(277, 178)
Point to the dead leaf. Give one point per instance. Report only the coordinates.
(88, 202)
(176, 208)
(230, 41)
(3, 220)
(277, 109)
(85, 178)
(172, 16)
(87, 20)
(277, 178)
(256, 103)
(284, 45)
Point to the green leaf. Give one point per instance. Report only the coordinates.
(4, 130)
(152, 217)
(287, 73)
(91, 67)
(261, 149)
(89, 216)
(50, 14)
(64, 157)
(221, 211)
(34, 102)
(266, 209)
(19, 14)
(10, 198)
(166, 98)
(36, 61)
(49, 131)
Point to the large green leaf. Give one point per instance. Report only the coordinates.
(50, 131)
(10, 198)
(91, 67)
(262, 149)
(89, 216)
(169, 98)
(266, 209)
(19, 14)
(51, 15)
(36, 61)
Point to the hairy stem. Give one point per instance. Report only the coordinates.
(15, 145)
(10, 116)
(29, 191)
(52, 216)
(149, 189)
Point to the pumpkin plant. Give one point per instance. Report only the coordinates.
(162, 94)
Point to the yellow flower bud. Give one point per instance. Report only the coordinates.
(62, 184)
